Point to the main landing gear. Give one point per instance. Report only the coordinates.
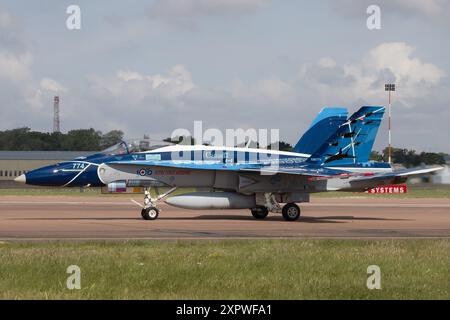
(290, 211)
(150, 211)
(259, 212)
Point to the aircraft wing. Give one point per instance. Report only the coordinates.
(305, 170)
(312, 172)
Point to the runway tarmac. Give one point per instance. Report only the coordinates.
(79, 218)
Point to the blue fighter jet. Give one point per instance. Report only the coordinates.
(333, 155)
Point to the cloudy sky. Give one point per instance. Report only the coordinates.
(149, 67)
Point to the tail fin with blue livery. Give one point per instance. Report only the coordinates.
(324, 125)
(352, 142)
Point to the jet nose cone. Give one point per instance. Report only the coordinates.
(22, 179)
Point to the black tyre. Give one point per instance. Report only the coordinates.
(259, 212)
(291, 212)
(150, 213)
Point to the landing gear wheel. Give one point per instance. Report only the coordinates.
(291, 212)
(259, 212)
(150, 213)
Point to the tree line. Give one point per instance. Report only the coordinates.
(23, 139)
(408, 157)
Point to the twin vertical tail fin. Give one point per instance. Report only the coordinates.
(324, 125)
(353, 140)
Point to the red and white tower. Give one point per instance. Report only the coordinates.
(390, 87)
(56, 127)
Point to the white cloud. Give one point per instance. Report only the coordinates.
(272, 88)
(364, 80)
(397, 57)
(39, 95)
(16, 73)
(138, 86)
(148, 102)
(43, 93)
(395, 62)
(15, 67)
(254, 88)
(52, 86)
(128, 97)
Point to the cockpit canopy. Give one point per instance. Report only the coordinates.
(126, 147)
(133, 146)
(117, 149)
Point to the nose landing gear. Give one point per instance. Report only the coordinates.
(149, 210)
(150, 213)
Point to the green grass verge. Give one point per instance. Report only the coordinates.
(234, 269)
(413, 192)
(74, 192)
(50, 192)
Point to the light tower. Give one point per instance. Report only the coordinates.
(56, 127)
(390, 87)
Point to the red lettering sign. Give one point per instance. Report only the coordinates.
(396, 188)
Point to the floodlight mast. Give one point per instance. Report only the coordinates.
(390, 87)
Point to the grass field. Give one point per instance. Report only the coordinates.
(72, 192)
(49, 192)
(413, 192)
(235, 269)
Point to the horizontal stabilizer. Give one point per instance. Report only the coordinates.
(401, 174)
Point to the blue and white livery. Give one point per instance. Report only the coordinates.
(333, 155)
